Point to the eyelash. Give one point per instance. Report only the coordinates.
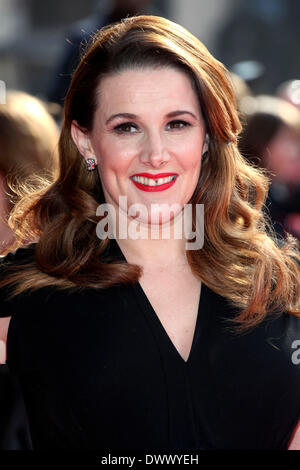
(119, 130)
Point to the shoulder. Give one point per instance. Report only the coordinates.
(13, 260)
(276, 338)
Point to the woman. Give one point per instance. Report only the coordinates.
(138, 343)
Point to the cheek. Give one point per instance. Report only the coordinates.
(190, 156)
(114, 156)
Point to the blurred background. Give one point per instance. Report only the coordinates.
(40, 41)
(258, 38)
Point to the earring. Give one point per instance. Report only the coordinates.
(204, 155)
(206, 141)
(91, 164)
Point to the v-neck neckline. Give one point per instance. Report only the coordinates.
(146, 304)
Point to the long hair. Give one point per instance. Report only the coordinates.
(240, 259)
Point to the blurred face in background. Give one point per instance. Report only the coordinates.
(282, 156)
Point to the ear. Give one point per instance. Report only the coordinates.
(205, 144)
(82, 141)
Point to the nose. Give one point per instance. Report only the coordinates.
(154, 153)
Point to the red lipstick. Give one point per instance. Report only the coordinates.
(158, 175)
(160, 187)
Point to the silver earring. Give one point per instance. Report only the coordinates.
(206, 141)
(91, 164)
(205, 155)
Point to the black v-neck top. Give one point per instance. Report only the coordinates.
(98, 371)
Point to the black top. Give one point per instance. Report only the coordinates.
(98, 371)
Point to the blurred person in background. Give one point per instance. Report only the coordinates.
(290, 91)
(28, 156)
(240, 87)
(271, 140)
(106, 12)
(28, 143)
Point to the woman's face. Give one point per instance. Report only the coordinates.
(148, 121)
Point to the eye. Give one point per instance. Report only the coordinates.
(125, 128)
(178, 124)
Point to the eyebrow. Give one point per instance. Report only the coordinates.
(134, 116)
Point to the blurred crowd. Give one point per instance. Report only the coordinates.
(271, 140)
(29, 129)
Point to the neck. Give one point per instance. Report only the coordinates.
(152, 245)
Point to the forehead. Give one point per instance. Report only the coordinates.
(147, 87)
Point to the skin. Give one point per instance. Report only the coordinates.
(150, 142)
(153, 143)
(148, 145)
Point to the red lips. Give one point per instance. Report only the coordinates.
(158, 175)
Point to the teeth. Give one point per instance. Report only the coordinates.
(153, 182)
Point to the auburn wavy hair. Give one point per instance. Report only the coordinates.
(241, 258)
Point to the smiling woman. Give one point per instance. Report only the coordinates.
(137, 343)
(154, 139)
